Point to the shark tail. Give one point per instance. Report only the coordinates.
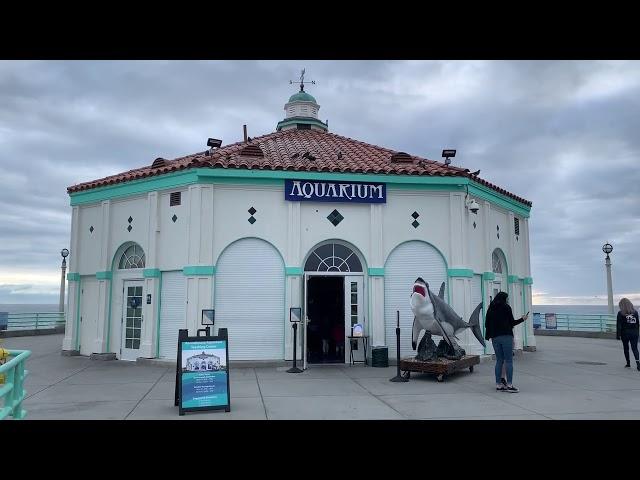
(474, 324)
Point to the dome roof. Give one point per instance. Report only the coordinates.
(302, 97)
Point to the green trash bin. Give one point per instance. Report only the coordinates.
(380, 357)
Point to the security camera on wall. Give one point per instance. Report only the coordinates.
(473, 207)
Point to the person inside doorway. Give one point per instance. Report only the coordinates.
(499, 329)
(627, 330)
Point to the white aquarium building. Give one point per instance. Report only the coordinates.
(296, 218)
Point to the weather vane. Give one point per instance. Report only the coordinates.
(301, 82)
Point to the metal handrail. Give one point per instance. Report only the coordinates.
(581, 322)
(21, 321)
(12, 389)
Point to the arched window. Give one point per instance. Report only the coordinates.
(496, 262)
(132, 257)
(333, 257)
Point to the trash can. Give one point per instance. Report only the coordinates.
(4, 320)
(380, 357)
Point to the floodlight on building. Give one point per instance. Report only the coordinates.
(447, 155)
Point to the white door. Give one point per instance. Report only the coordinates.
(88, 314)
(173, 311)
(354, 312)
(131, 331)
(249, 299)
(406, 263)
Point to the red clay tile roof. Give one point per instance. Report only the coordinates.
(300, 151)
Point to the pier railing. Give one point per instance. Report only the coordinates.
(12, 392)
(575, 322)
(33, 321)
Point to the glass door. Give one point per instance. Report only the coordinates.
(131, 331)
(354, 314)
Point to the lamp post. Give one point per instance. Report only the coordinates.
(65, 253)
(607, 248)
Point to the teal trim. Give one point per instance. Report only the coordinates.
(158, 322)
(291, 271)
(213, 175)
(524, 324)
(376, 272)
(488, 276)
(73, 277)
(77, 329)
(106, 275)
(460, 272)
(151, 273)
(302, 120)
(513, 278)
(160, 182)
(199, 270)
(528, 281)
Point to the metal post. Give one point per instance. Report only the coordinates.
(607, 262)
(294, 369)
(398, 377)
(62, 285)
(36, 321)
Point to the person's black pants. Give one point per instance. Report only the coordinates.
(633, 340)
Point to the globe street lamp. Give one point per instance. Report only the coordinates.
(607, 248)
(65, 253)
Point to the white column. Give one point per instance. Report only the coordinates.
(69, 342)
(376, 283)
(104, 284)
(148, 345)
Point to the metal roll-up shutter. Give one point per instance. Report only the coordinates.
(173, 310)
(88, 314)
(406, 263)
(249, 299)
(476, 298)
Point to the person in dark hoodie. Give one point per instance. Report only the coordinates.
(499, 325)
(627, 329)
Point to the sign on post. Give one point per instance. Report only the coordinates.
(202, 373)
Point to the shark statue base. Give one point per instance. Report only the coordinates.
(428, 351)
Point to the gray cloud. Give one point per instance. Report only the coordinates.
(562, 134)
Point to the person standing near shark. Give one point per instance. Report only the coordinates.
(499, 325)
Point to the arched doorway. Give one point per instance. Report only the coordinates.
(404, 265)
(130, 261)
(249, 299)
(334, 302)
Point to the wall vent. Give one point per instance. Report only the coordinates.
(401, 157)
(175, 199)
(516, 226)
(252, 151)
(158, 162)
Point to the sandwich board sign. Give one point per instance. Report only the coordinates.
(202, 373)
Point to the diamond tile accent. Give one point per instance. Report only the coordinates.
(129, 228)
(174, 218)
(415, 215)
(130, 220)
(474, 224)
(252, 211)
(498, 235)
(415, 224)
(252, 220)
(335, 218)
(498, 228)
(91, 228)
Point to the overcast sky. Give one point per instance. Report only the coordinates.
(563, 134)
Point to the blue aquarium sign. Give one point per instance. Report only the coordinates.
(324, 191)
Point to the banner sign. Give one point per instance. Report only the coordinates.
(327, 191)
(202, 380)
(550, 321)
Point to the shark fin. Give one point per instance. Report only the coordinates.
(441, 292)
(474, 323)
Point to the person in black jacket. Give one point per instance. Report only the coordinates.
(627, 329)
(499, 329)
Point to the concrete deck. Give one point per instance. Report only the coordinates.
(552, 386)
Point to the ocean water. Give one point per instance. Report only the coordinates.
(575, 309)
(28, 307)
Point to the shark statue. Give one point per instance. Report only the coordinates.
(436, 317)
